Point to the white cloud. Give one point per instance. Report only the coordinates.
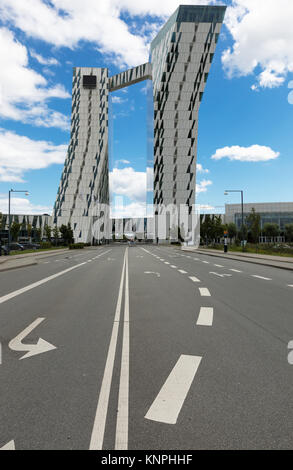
(202, 186)
(23, 91)
(67, 22)
(132, 210)
(263, 38)
(21, 205)
(124, 162)
(19, 154)
(201, 169)
(118, 100)
(43, 60)
(255, 153)
(128, 182)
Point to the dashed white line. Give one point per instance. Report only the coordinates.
(204, 292)
(261, 277)
(169, 401)
(235, 270)
(206, 262)
(182, 271)
(206, 316)
(218, 266)
(166, 262)
(194, 279)
(174, 267)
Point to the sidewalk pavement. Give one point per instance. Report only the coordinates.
(281, 262)
(7, 263)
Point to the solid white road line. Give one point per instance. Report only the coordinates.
(204, 292)
(121, 442)
(235, 270)
(98, 431)
(10, 296)
(205, 317)
(194, 279)
(264, 278)
(168, 404)
(182, 271)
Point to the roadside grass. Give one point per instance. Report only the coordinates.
(26, 252)
(256, 249)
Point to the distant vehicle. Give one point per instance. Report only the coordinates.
(15, 247)
(31, 246)
(4, 250)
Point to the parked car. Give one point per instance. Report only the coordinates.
(15, 247)
(31, 246)
(4, 250)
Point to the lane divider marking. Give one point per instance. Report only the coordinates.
(169, 401)
(206, 316)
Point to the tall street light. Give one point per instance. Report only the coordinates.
(9, 222)
(242, 210)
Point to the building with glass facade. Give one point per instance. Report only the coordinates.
(280, 213)
(180, 59)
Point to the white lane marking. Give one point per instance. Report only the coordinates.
(121, 441)
(194, 279)
(206, 262)
(10, 296)
(169, 401)
(151, 272)
(290, 285)
(195, 259)
(263, 278)
(162, 259)
(206, 316)
(174, 267)
(166, 262)
(181, 271)
(235, 270)
(204, 292)
(221, 275)
(42, 346)
(97, 437)
(9, 446)
(218, 266)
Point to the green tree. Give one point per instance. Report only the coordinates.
(67, 234)
(56, 234)
(271, 230)
(15, 229)
(289, 232)
(38, 233)
(253, 225)
(29, 229)
(232, 230)
(48, 232)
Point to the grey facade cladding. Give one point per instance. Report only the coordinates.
(130, 77)
(180, 61)
(181, 57)
(84, 181)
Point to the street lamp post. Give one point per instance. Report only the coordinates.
(9, 205)
(242, 210)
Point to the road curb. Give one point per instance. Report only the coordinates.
(245, 260)
(12, 268)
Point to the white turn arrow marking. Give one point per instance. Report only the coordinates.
(151, 272)
(42, 346)
(9, 446)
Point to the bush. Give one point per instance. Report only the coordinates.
(76, 246)
(46, 245)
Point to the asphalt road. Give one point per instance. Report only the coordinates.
(145, 348)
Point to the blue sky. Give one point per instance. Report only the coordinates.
(245, 122)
